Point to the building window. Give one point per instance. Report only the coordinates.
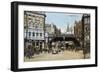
(37, 34)
(33, 34)
(40, 34)
(88, 20)
(37, 43)
(29, 33)
(85, 20)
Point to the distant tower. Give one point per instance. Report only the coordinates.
(68, 28)
(71, 29)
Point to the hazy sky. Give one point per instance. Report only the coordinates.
(61, 20)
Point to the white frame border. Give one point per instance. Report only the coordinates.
(22, 64)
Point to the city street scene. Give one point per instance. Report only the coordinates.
(51, 36)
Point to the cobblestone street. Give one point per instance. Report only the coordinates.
(64, 55)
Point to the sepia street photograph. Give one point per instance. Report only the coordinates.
(55, 36)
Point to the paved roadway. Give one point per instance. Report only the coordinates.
(64, 55)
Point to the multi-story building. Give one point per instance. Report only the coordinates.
(82, 32)
(49, 28)
(51, 31)
(78, 31)
(86, 29)
(34, 23)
